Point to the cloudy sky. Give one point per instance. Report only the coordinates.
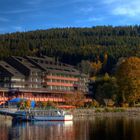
(25, 15)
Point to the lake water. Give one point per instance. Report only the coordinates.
(105, 128)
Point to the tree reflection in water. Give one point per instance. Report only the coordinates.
(108, 128)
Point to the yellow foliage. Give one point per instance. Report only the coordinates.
(28, 104)
(76, 99)
(96, 66)
(128, 76)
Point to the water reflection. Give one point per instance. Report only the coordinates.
(87, 129)
(46, 130)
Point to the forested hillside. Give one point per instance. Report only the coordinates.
(71, 45)
(95, 51)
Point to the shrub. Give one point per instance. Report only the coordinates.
(98, 110)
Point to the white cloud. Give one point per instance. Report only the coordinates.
(126, 11)
(128, 8)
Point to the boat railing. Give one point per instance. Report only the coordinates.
(42, 113)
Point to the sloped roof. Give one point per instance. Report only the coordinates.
(10, 69)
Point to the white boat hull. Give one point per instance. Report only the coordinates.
(53, 118)
(48, 115)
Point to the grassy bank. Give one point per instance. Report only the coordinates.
(101, 112)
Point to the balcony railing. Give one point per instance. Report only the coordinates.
(62, 78)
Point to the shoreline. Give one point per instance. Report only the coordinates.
(99, 112)
(106, 112)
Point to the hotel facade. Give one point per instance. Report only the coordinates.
(39, 79)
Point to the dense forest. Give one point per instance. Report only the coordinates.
(72, 45)
(109, 55)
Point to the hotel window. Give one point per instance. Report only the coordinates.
(60, 88)
(49, 80)
(64, 88)
(69, 88)
(50, 87)
(55, 87)
(6, 85)
(6, 78)
(33, 80)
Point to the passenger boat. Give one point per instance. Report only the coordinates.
(43, 115)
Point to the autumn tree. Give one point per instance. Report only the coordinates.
(104, 65)
(44, 104)
(96, 67)
(50, 104)
(128, 77)
(27, 104)
(76, 99)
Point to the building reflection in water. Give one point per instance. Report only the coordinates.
(5, 125)
(123, 128)
(46, 130)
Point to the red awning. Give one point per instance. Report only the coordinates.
(66, 106)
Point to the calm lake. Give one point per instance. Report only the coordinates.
(103, 128)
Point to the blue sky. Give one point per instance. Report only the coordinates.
(25, 15)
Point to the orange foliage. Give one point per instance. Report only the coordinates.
(128, 76)
(76, 99)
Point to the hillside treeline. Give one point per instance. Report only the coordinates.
(72, 45)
